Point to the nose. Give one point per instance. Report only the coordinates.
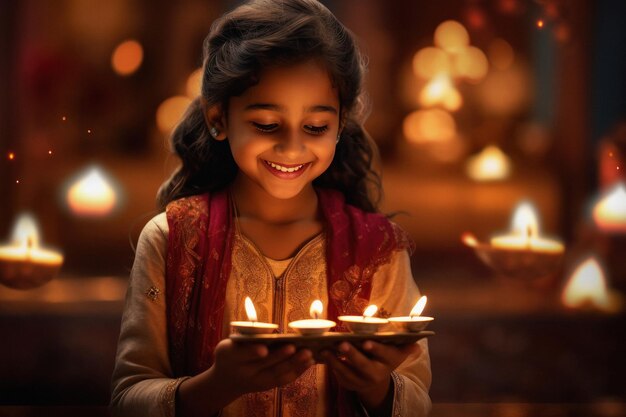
(291, 145)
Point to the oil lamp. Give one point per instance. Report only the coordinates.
(414, 322)
(252, 326)
(23, 263)
(367, 323)
(313, 326)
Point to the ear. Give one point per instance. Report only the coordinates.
(216, 121)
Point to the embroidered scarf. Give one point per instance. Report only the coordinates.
(201, 230)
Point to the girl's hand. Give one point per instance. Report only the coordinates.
(252, 368)
(239, 369)
(368, 372)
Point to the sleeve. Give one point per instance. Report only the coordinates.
(141, 383)
(394, 290)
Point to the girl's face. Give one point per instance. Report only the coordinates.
(283, 131)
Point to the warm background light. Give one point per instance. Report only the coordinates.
(170, 112)
(432, 125)
(430, 61)
(489, 165)
(609, 213)
(194, 83)
(92, 195)
(451, 36)
(587, 288)
(441, 91)
(471, 63)
(501, 54)
(127, 57)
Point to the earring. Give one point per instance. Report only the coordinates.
(214, 132)
(338, 137)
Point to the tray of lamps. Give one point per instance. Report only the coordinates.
(315, 333)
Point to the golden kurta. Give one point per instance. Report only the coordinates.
(282, 291)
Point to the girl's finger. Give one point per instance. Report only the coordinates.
(344, 373)
(359, 363)
(391, 356)
(276, 356)
(288, 370)
(240, 352)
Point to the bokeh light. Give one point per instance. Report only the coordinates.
(441, 91)
(430, 61)
(430, 125)
(92, 194)
(194, 83)
(501, 54)
(451, 36)
(127, 57)
(471, 63)
(489, 165)
(170, 112)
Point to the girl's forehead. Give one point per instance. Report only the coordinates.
(304, 80)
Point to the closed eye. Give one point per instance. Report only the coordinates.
(265, 128)
(316, 130)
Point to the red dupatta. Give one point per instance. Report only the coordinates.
(201, 232)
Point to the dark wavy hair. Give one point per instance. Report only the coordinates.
(255, 35)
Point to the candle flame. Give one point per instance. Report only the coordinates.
(370, 311)
(419, 306)
(587, 285)
(25, 232)
(469, 239)
(250, 311)
(525, 221)
(316, 310)
(609, 213)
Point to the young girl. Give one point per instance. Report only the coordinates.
(273, 200)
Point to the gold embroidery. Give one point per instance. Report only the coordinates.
(167, 397)
(153, 293)
(398, 396)
(190, 215)
(260, 404)
(250, 277)
(305, 281)
(300, 397)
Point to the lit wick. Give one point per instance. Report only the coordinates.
(419, 307)
(370, 311)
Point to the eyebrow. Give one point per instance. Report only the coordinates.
(275, 107)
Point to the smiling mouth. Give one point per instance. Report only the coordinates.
(285, 168)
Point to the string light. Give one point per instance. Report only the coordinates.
(50, 152)
(540, 23)
(11, 156)
(89, 131)
(64, 118)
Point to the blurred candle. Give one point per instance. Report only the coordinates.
(23, 263)
(609, 213)
(525, 233)
(92, 195)
(489, 165)
(587, 288)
